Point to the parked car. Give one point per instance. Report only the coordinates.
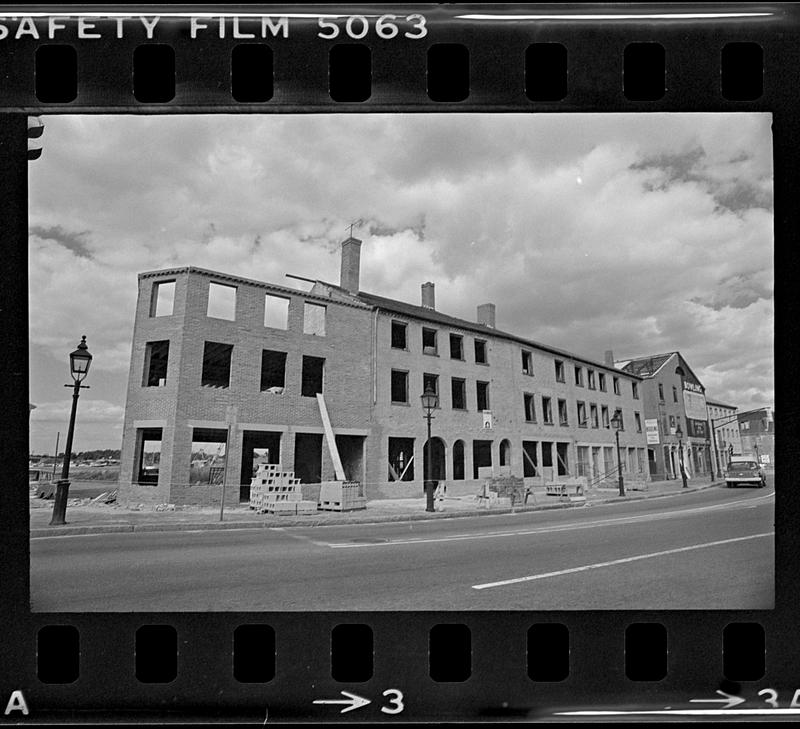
(746, 471)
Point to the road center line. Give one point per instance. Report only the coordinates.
(614, 562)
(552, 529)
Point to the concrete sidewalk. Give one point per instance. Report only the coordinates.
(83, 518)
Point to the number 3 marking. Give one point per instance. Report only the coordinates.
(773, 697)
(397, 701)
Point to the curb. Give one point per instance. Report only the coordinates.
(39, 532)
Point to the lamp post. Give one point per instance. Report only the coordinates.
(679, 433)
(710, 460)
(616, 422)
(430, 401)
(79, 362)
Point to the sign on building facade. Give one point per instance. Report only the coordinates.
(651, 428)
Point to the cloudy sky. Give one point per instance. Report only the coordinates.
(638, 233)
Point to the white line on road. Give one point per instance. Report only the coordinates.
(614, 562)
(549, 529)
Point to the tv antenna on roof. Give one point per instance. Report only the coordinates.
(355, 224)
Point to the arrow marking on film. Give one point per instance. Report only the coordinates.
(729, 700)
(356, 702)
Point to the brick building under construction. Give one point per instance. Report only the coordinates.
(228, 372)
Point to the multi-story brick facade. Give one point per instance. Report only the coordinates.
(725, 439)
(213, 391)
(675, 407)
(757, 428)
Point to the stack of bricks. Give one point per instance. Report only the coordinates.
(274, 491)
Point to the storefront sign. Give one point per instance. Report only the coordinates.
(651, 428)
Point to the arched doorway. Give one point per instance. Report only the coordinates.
(437, 455)
(505, 453)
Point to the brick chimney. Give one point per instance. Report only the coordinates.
(609, 358)
(486, 315)
(351, 263)
(428, 296)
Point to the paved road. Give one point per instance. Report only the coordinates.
(711, 549)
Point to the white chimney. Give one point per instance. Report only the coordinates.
(428, 296)
(351, 263)
(486, 314)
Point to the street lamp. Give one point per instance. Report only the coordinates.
(430, 401)
(679, 433)
(710, 460)
(79, 362)
(616, 422)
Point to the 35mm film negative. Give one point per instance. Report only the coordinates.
(422, 363)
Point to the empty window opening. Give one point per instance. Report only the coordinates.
(481, 456)
(505, 453)
(482, 392)
(399, 386)
(547, 456)
(559, 370)
(458, 389)
(258, 447)
(458, 460)
(661, 392)
(635, 390)
(428, 341)
(480, 351)
(618, 414)
(351, 453)
(312, 376)
(162, 300)
(593, 416)
(313, 319)
(401, 459)
(638, 421)
(276, 312)
(590, 379)
(431, 382)
(216, 364)
(156, 355)
(563, 418)
(308, 457)
(674, 394)
(456, 346)
(547, 410)
(604, 415)
(582, 422)
(579, 376)
(207, 462)
(530, 408)
(273, 371)
(530, 464)
(601, 381)
(399, 335)
(148, 457)
(527, 362)
(617, 391)
(221, 301)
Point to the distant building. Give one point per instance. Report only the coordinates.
(725, 440)
(327, 382)
(757, 429)
(674, 400)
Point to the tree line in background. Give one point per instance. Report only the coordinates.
(97, 455)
